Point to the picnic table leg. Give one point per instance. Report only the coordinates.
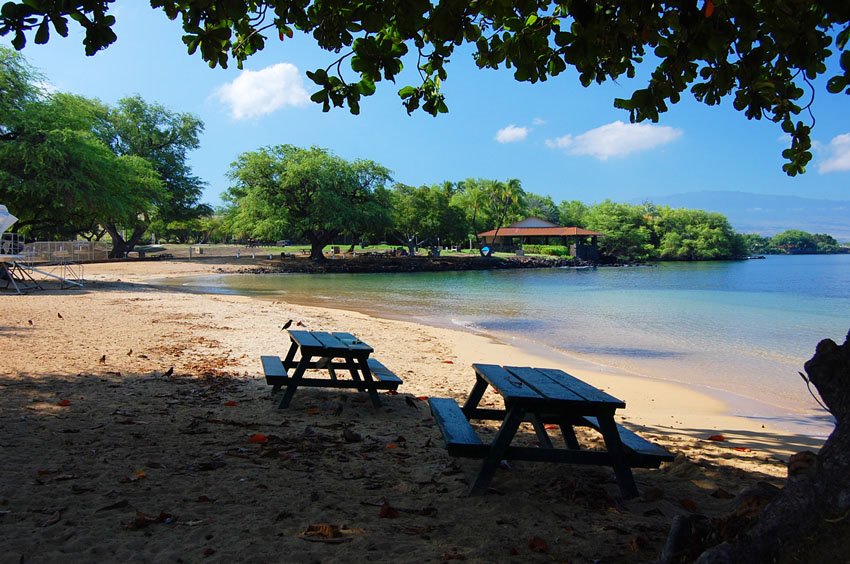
(287, 362)
(540, 430)
(294, 381)
(290, 356)
(618, 455)
(569, 436)
(497, 451)
(352, 369)
(368, 380)
(474, 396)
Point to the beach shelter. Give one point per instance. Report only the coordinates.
(582, 242)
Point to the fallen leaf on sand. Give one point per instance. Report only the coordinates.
(422, 398)
(392, 445)
(142, 520)
(717, 438)
(135, 477)
(258, 438)
(325, 532)
(637, 542)
(117, 505)
(537, 544)
(387, 511)
(552, 426)
(689, 505)
(231, 403)
(313, 410)
(63, 403)
(448, 362)
(743, 449)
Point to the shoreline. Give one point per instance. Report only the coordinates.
(128, 417)
(688, 409)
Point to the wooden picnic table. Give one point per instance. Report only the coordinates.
(329, 352)
(543, 396)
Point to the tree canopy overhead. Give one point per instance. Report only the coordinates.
(762, 54)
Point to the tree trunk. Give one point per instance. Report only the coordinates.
(317, 244)
(818, 486)
(120, 247)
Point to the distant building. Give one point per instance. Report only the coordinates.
(533, 230)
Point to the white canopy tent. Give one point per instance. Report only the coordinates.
(7, 220)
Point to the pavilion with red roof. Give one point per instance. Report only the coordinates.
(582, 242)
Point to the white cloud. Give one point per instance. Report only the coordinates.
(538, 121)
(512, 134)
(838, 155)
(256, 93)
(616, 140)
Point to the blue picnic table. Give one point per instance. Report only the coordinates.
(327, 353)
(542, 396)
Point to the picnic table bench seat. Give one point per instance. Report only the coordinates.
(641, 453)
(276, 376)
(460, 437)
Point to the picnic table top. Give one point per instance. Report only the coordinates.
(322, 342)
(545, 387)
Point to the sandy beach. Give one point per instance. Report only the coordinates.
(108, 458)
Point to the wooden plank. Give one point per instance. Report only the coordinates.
(272, 366)
(544, 384)
(639, 450)
(304, 339)
(457, 432)
(509, 386)
(382, 373)
(328, 383)
(583, 389)
(330, 344)
(353, 343)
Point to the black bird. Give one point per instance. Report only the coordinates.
(168, 372)
(286, 325)
(102, 359)
(130, 352)
(30, 321)
(60, 315)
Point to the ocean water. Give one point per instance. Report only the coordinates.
(739, 329)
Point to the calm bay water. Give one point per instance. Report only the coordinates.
(742, 328)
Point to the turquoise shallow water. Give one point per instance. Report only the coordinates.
(742, 328)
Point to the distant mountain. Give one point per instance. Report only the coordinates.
(768, 214)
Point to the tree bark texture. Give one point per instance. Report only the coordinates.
(817, 491)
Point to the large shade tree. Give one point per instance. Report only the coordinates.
(762, 55)
(426, 215)
(56, 174)
(311, 194)
(163, 138)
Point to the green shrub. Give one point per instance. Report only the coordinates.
(552, 250)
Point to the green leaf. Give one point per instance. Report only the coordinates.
(43, 33)
(836, 84)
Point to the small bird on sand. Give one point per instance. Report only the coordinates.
(102, 360)
(168, 373)
(130, 352)
(286, 325)
(60, 315)
(29, 321)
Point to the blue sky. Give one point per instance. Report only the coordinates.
(558, 138)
